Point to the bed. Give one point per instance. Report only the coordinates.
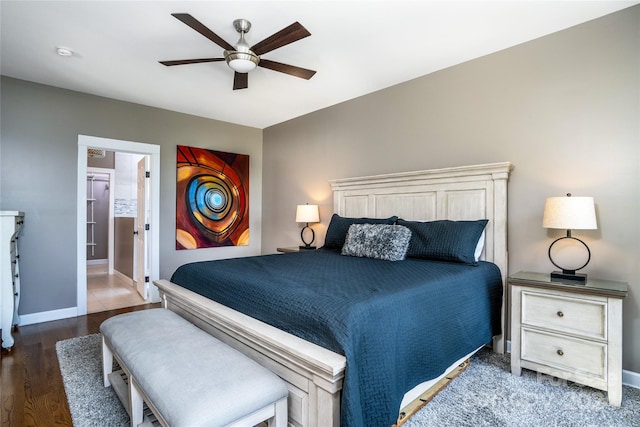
(315, 373)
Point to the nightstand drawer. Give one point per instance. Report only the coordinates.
(569, 354)
(573, 315)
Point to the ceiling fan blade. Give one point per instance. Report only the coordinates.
(200, 27)
(292, 33)
(303, 73)
(189, 61)
(240, 81)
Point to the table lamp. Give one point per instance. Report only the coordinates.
(307, 213)
(570, 213)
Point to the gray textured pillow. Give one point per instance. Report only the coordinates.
(380, 241)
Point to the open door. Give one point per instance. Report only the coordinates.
(142, 229)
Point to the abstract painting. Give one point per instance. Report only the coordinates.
(212, 198)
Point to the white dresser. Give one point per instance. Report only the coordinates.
(10, 224)
(568, 330)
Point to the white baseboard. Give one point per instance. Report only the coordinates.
(48, 316)
(630, 378)
(97, 261)
(124, 277)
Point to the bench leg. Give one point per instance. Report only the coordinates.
(275, 414)
(281, 415)
(135, 403)
(107, 362)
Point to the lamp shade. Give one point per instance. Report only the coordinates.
(570, 213)
(242, 62)
(307, 213)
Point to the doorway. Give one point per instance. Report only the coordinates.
(112, 202)
(150, 253)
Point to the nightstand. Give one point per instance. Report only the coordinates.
(288, 250)
(568, 330)
(293, 249)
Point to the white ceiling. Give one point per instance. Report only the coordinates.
(356, 47)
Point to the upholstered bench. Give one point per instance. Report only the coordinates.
(186, 376)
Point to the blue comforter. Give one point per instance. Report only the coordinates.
(398, 323)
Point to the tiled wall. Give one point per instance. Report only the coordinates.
(126, 184)
(125, 207)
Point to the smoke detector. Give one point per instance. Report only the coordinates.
(64, 51)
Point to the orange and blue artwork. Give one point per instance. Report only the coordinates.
(212, 198)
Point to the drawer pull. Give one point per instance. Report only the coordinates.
(560, 314)
(560, 353)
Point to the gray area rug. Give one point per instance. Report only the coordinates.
(91, 404)
(486, 394)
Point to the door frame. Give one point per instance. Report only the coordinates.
(153, 151)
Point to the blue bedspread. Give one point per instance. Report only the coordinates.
(398, 323)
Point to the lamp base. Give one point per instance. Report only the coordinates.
(569, 277)
(307, 245)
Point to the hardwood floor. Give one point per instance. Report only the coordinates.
(32, 393)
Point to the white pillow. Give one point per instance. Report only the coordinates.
(479, 247)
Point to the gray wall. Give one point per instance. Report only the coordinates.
(38, 168)
(563, 108)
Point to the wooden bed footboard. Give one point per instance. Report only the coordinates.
(313, 374)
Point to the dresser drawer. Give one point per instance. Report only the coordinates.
(566, 353)
(578, 316)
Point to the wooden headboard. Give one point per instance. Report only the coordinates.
(458, 193)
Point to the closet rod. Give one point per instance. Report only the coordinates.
(93, 177)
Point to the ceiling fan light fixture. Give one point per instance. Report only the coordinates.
(243, 58)
(241, 62)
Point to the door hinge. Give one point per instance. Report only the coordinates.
(147, 174)
(146, 279)
(146, 227)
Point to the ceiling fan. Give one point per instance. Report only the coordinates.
(241, 58)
